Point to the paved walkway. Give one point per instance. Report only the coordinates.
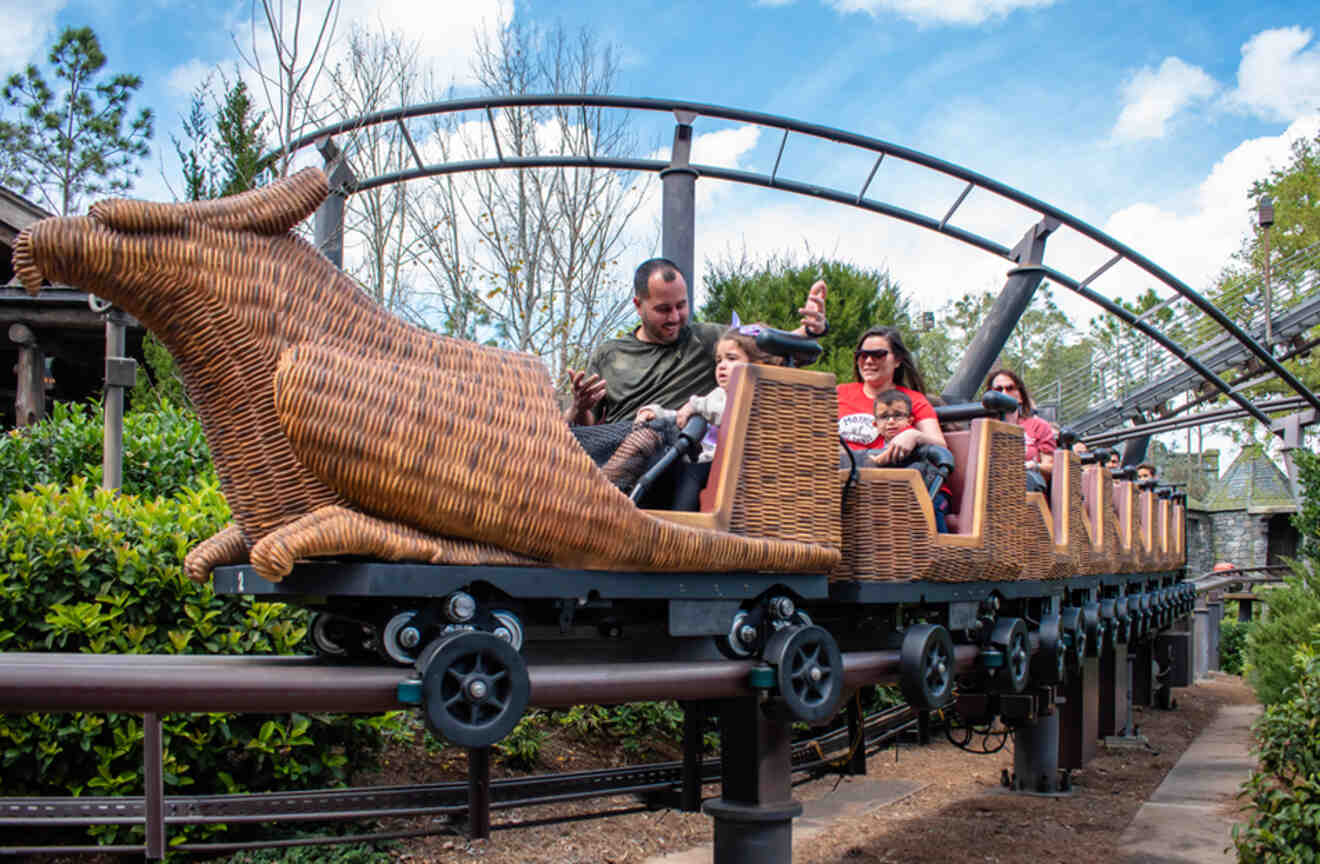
(1189, 819)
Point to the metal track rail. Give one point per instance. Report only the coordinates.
(365, 803)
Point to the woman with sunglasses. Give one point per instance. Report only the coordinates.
(882, 362)
(1036, 432)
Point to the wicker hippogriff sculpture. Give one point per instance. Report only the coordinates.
(339, 429)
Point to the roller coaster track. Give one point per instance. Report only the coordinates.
(1130, 384)
(1017, 253)
(431, 799)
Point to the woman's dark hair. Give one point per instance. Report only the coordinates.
(1025, 406)
(906, 375)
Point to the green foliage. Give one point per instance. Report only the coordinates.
(86, 571)
(357, 853)
(635, 724)
(522, 747)
(774, 290)
(165, 451)
(1307, 518)
(224, 139)
(72, 143)
(1233, 644)
(1285, 791)
(1294, 609)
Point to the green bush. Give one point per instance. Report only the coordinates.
(1233, 644)
(1293, 610)
(165, 451)
(1285, 791)
(85, 570)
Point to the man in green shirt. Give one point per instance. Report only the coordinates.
(667, 358)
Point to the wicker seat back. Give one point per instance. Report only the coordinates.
(1126, 556)
(889, 525)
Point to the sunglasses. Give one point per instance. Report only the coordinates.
(872, 353)
(1005, 388)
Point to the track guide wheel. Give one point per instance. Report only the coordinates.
(808, 672)
(926, 666)
(474, 688)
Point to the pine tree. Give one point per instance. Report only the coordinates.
(72, 143)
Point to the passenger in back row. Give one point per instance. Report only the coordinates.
(882, 362)
(1037, 434)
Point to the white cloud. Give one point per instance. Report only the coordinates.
(185, 78)
(1279, 78)
(940, 11)
(1195, 244)
(443, 32)
(1151, 97)
(29, 27)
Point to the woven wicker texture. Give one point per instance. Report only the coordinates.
(1069, 507)
(1097, 488)
(473, 433)
(1125, 524)
(785, 489)
(1148, 557)
(889, 528)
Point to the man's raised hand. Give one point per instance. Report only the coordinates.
(588, 390)
(813, 313)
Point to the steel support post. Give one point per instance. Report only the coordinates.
(1201, 643)
(679, 206)
(1036, 755)
(478, 793)
(694, 728)
(1079, 716)
(755, 811)
(1134, 452)
(1216, 618)
(856, 740)
(1143, 680)
(328, 235)
(153, 798)
(1113, 690)
(1002, 317)
(120, 373)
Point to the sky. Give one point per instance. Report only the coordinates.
(1147, 120)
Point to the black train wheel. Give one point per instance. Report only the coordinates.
(1010, 637)
(926, 666)
(1073, 624)
(808, 672)
(474, 687)
(1094, 629)
(1047, 665)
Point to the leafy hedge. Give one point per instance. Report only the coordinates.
(1285, 791)
(1293, 609)
(165, 451)
(1233, 635)
(85, 570)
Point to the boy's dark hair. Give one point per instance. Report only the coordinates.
(1149, 467)
(884, 397)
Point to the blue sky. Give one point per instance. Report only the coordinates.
(1148, 120)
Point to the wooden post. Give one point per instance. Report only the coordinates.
(30, 401)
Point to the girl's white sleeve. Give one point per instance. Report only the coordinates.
(710, 406)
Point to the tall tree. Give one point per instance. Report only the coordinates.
(380, 71)
(224, 138)
(771, 291)
(287, 51)
(535, 257)
(77, 139)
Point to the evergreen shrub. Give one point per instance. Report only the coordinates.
(1284, 792)
(83, 570)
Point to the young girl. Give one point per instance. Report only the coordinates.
(737, 345)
